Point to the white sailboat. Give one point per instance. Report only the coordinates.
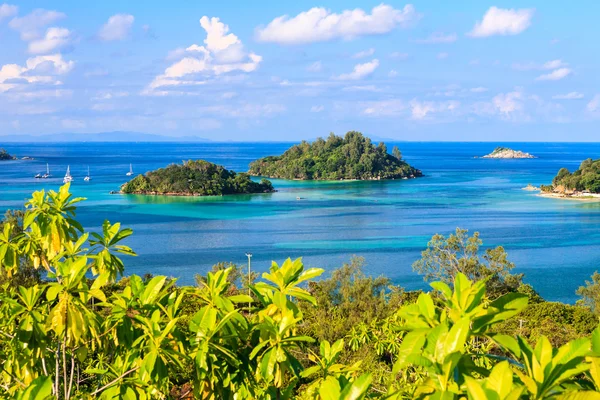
(130, 170)
(87, 177)
(47, 174)
(68, 178)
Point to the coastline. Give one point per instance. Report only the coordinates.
(590, 197)
(175, 194)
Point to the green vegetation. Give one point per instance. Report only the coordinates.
(350, 157)
(586, 178)
(195, 178)
(5, 156)
(81, 334)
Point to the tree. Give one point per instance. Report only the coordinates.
(397, 153)
(590, 293)
(446, 257)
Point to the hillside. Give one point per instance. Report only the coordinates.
(353, 156)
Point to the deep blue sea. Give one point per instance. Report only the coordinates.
(556, 243)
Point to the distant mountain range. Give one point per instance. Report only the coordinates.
(99, 137)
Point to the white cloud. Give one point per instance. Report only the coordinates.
(365, 53)
(442, 56)
(439, 37)
(54, 40)
(317, 109)
(500, 21)
(118, 27)
(479, 89)
(507, 103)
(319, 24)
(223, 52)
(529, 66)
(315, 67)
(393, 73)
(420, 109)
(555, 75)
(360, 71)
(29, 25)
(594, 105)
(72, 124)
(554, 64)
(244, 110)
(384, 108)
(7, 11)
(40, 69)
(229, 95)
(398, 55)
(569, 96)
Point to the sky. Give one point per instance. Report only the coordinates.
(430, 70)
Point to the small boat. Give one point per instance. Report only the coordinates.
(68, 178)
(47, 174)
(38, 176)
(87, 177)
(130, 171)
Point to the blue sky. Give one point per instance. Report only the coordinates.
(273, 70)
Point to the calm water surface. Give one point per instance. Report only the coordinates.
(556, 243)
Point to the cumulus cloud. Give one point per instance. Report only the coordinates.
(319, 24)
(569, 96)
(39, 69)
(500, 21)
(7, 11)
(507, 103)
(420, 109)
(438, 37)
(555, 75)
(365, 53)
(54, 40)
(393, 73)
(594, 105)
(317, 109)
(29, 26)
(118, 27)
(360, 71)
(479, 89)
(222, 52)
(384, 108)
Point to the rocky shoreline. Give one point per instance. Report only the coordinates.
(506, 153)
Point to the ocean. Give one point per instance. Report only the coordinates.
(556, 243)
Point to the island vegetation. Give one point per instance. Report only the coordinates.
(4, 155)
(77, 331)
(586, 180)
(353, 156)
(195, 178)
(505, 152)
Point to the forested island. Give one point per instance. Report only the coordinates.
(73, 327)
(505, 152)
(353, 156)
(583, 183)
(5, 156)
(195, 178)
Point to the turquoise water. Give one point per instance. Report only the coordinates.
(555, 243)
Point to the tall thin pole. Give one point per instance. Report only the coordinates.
(249, 255)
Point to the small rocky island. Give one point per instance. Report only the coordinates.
(195, 178)
(4, 156)
(582, 184)
(352, 157)
(505, 152)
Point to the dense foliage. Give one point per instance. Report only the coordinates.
(195, 178)
(5, 156)
(81, 334)
(350, 157)
(586, 178)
